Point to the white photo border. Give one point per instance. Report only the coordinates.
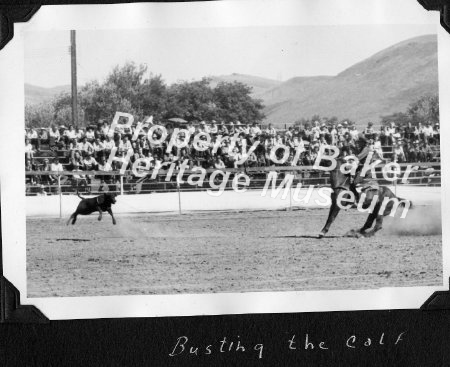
(185, 15)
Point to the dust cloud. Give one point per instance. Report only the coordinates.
(420, 221)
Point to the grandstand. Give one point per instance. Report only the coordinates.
(66, 160)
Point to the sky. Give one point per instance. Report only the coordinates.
(278, 53)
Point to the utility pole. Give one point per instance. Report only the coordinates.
(73, 63)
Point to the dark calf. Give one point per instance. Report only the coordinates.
(101, 203)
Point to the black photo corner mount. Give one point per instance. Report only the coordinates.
(439, 300)
(10, 14)
(443, 6)
(11, 310)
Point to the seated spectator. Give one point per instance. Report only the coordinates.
(85, 147)
(30, 167)
(415, 152)
(44, 136)
(62, 130)
(79, 180)
(104, 166)
(56, 166)
(223, 130)
(255, 130)
(108, 145)
(245, 129)
(90, 135)
(396, 135)
(99, 147)
(76, 160)
(419, 132)
(398, 154)
(278, 140)
(213, 130)
(391, 130)
(288, 134)
(41, 191)
(369, 131)
(313, 155)
(33, 136)
(29, 151)
(89, 164)
(384, 136)
(45, 166)
(345, 126)
(231, 129)
(235, 157)
(377, 147)
(54, 138)
(340, 134)
(191, 128)
(354, 133)
(252, 160)
(79, 133)
(437, 133)
(316, 130)
(271, 131)
(98, 133)
(333, 134)
(105, 128)
(218, 163)
(324, 134)
(427, 152)
(127, 131)
(203, 127)
(428, 131)
(70, 136)
(410, 132)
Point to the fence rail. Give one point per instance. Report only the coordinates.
(93, 182)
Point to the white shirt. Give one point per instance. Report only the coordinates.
(28, 148)
(54, 134)
(428, 131)
(57, 167)
(32, 134)
(109, 144)
(71, 134)
(105, 167)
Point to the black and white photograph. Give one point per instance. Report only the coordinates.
(245, 163)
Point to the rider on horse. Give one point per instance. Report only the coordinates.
(360, 161)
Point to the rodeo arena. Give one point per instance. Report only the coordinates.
(227, 207)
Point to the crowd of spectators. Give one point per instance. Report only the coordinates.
(89, 149)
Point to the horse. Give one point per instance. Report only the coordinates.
(340, 182)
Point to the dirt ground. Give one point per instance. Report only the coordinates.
(229, 252)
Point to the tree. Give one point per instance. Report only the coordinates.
(126, 89)
(39, 115)
(425, 109)
(191, 101)
(233, 102)
(132, 89)
(400, 118)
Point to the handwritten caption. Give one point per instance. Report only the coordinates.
(183, 346)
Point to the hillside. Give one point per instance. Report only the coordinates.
(258, 84)
(36, 95)
(384, 83)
